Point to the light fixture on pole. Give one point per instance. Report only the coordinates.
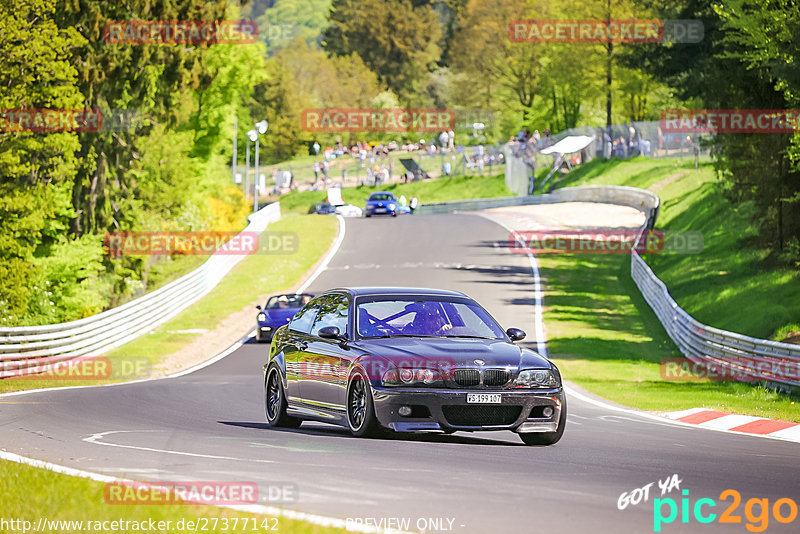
(261, 128)
(235, 130)
(251, 136)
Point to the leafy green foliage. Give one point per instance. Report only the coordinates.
(397, 39)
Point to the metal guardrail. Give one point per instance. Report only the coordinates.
(731, 354)
(738, 356)
(29, 349)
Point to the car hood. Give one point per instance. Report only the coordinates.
(380, 203)
(279, 316)
(453, 352)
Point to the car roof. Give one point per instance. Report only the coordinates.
(362, 291)
(381, 193)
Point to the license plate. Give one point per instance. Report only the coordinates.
(483, 398)
(380, 210)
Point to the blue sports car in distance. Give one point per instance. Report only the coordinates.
(279, 311)
(381, 203)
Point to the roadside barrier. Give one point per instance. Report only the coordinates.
(28, 349)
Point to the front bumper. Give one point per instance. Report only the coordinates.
(266, 331)
(448, 410)
(380, 211)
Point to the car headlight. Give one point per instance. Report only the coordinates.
(392, 206)
(410, 377)
(537, 378)
(262, 317)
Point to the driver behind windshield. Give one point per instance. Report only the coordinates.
(428, 321)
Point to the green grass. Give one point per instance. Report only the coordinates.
(28, 493)
(731, 284)
(255, 275)
(607, 338)
(455, 188)
(604, 337)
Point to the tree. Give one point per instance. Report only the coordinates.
(747, 60)
(148, 78)
(396, 39)
(36, 169)
(496, 68)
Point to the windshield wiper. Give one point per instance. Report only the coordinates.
(399, 335)
(473, 337)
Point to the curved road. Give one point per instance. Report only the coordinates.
(209, 425)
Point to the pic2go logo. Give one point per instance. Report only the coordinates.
(783, 511)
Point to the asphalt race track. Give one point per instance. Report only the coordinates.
(209, 425)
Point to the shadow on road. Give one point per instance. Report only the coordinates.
(322, 430)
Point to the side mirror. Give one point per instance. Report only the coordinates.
(329, 332)
(515, 334)
(258, 307)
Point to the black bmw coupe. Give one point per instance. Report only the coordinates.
(409, 360)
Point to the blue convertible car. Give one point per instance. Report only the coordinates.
(279, 310)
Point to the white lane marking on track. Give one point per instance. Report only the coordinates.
(329, 257)
(538, 294)
(95, 439)
(657, 419)
(260, 509)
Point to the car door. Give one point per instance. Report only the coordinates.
(295, 348)
(324, 381)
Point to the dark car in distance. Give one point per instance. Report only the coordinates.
(381, 203)
(277, 312)
(409, 360)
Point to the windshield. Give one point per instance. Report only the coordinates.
(288, 301)
(419, 317)
(381, 196)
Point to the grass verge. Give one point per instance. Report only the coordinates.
(253, 276)
(605, 338)
(444, 189)
(61, 497)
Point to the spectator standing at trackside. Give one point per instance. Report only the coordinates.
(443, 140)
(316, 148)
(451, 139)
(325, 168)
(315, 167)
(607, 148)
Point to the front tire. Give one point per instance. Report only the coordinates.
(548, 438)
(360, 408)
(275, 401)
